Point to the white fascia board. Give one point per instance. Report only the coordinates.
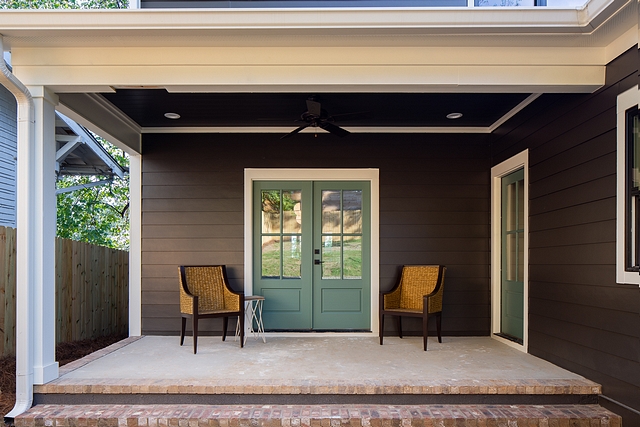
(363, 51)
(360, 78)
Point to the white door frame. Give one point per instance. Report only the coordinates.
(516, 162)
(371, 175)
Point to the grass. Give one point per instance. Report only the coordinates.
(351, 253)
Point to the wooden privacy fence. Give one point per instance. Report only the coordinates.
(92, 290)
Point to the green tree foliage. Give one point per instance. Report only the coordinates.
(97, 215)
(271, 201)
(63, 4)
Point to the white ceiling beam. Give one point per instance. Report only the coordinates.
(96, 114)
(343, 78)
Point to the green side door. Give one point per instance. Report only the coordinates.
(512, 266)
(312, 254)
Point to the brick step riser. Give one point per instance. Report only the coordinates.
(317, 416)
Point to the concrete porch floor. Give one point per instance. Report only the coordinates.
(323, 365)
(323, 381)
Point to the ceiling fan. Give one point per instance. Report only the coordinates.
(316, 116)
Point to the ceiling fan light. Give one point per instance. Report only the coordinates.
(454, 116)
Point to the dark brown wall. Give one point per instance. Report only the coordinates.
(579, 317)
(434, 208)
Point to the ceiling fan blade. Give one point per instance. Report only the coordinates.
(335, 130)
(314, 107)
(293, 132)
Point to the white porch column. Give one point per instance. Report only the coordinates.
(135, 245)
(37, 230)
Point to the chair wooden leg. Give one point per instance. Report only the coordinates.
(225, 324)
(439, 326)
(425, 330)
(241, 320)
(183, 329)
(399, 325)
(195, 334)
(381, 327)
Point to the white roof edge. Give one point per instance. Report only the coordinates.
(95, 146)
(464, 19)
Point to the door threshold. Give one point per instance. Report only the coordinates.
(510, 338)
(321, 334)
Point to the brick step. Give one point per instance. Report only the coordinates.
(316, 416)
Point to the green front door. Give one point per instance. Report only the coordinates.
(311, 255)
(512, 280)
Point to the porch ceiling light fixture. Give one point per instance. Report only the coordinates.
(454, 116)
(172, 116)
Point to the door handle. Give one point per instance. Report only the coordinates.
(318, 262)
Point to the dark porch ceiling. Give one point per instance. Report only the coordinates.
(148, 106)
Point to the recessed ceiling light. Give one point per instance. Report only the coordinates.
(173, 116)
(454, 116)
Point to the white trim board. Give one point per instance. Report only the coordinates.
(372, 129)
(625, 101)
(371, 175)
(516, 162)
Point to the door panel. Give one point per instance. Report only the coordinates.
(342, 289)
(512, 279)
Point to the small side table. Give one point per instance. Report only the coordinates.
(253, 314)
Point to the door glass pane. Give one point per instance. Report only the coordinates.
(331, 211)
(352, 255)
(520, 205)
(635, 152)
(352, 212)
(511, 256)
(292, 215)
(270, 211)
(511, 207)
(331, 257)
(270, 256)
(292, 251)
(520, 256)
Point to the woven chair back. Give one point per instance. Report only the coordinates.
(417, 281)
(208, 283)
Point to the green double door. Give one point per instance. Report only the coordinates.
(311, 252)
(512, 281)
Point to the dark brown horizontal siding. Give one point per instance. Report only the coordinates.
(434, 208)
(579, 317)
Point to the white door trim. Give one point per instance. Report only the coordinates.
(516, 162)
(371, 175)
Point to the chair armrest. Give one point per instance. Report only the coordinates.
(188, 301)
(435, 297)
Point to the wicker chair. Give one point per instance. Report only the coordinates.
(205, 292)
(418, 293)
